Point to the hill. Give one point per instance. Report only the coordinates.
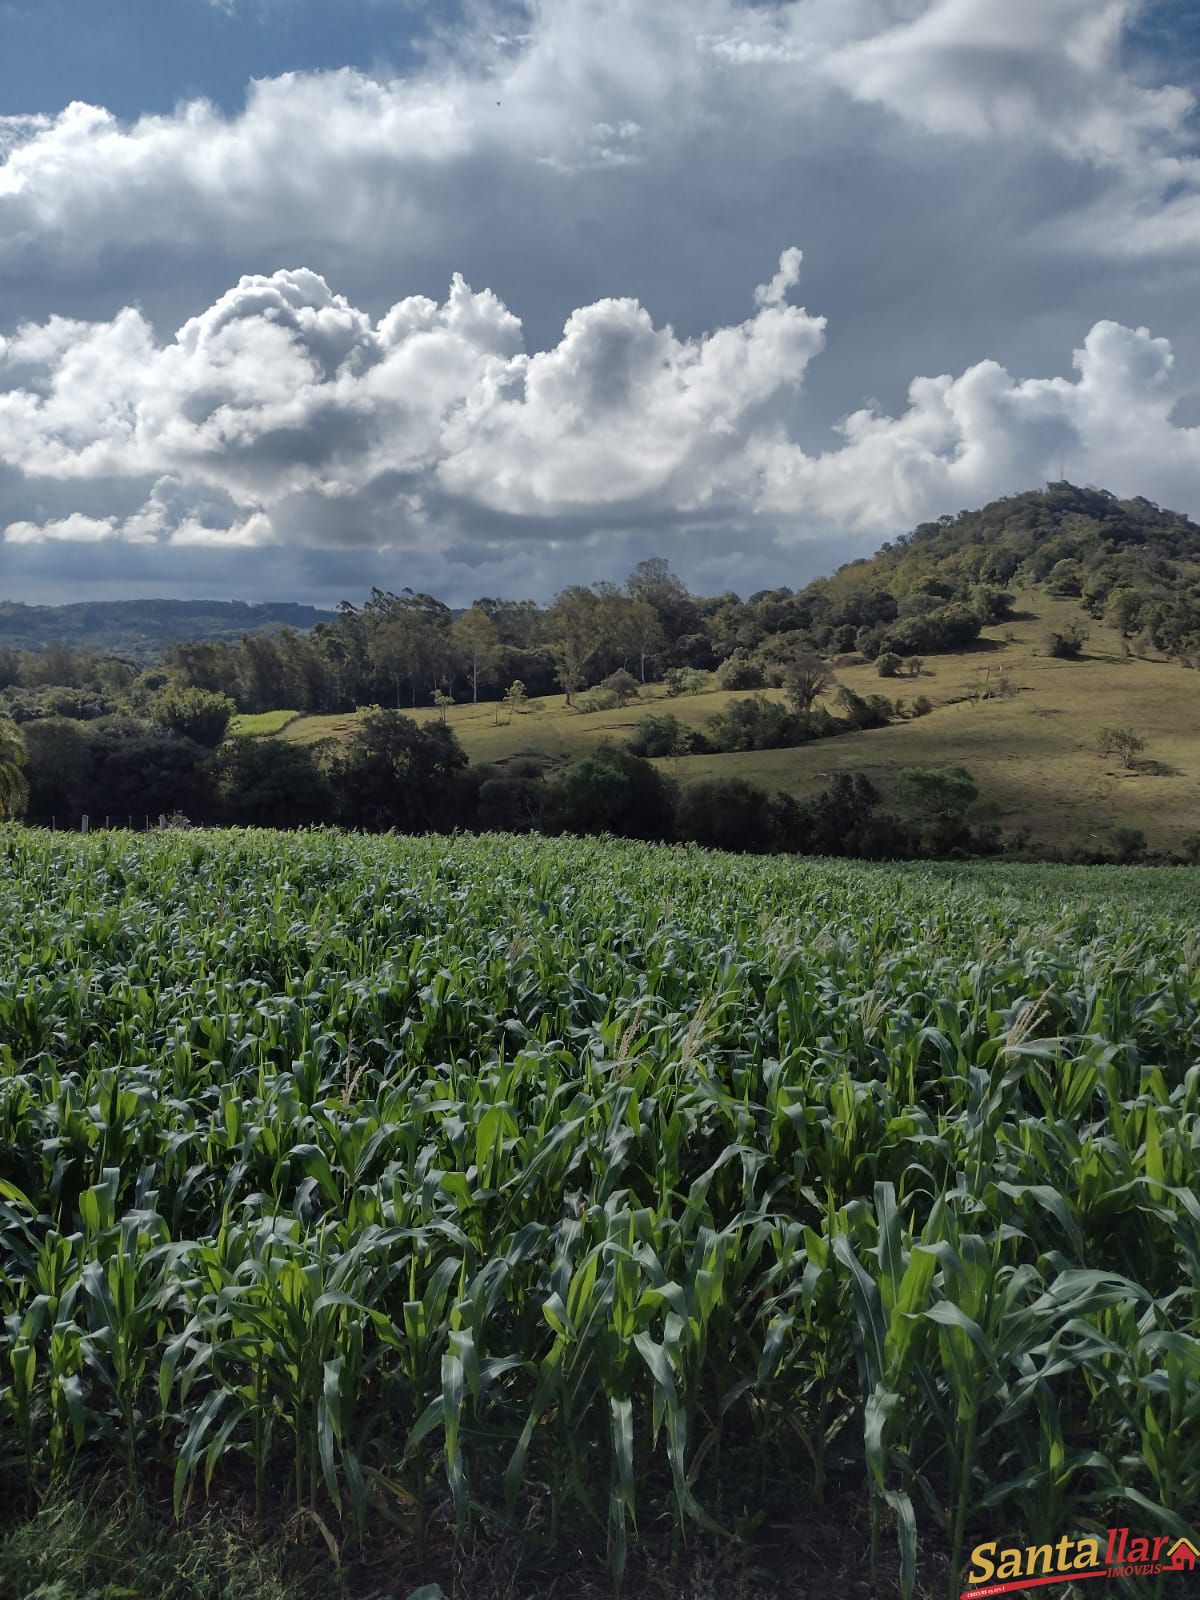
(1006, 640)
(139, 629)
(1032, 748)
(1119, 580)
(1128, 562)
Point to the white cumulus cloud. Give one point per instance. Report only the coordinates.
(283, 414)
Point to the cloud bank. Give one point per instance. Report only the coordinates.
(980, 187)
(284, 415)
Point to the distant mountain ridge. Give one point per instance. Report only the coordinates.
(141, 628)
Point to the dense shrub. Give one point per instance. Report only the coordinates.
(270, 783)
(685, 680)
(738, 671)
(610, 791)
(946, 627)
(196, 714)
(725, 814)
(658, 735)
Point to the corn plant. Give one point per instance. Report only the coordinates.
(587, 1189)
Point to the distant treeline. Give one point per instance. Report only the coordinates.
(1127, 561)
(411, 649)
(395, 773)
(139, 629)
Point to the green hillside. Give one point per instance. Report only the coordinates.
(1032, 749)
(1010, 641)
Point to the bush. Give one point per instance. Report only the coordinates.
(595, 700)
(685, 680)
(1066, 644)
(725, 814)
(922, 705)
(739, 672)
(622, 686)
(661, 735)
(875, 711)
(888, 664)
(755, 723)
(1128, 845)
(196, 714)
(610, 791)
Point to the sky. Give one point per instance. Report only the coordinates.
(490, 298)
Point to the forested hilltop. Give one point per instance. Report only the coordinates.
(1129, 562)
(139, 629)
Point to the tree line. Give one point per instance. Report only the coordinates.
(410, 649)
(394, 773)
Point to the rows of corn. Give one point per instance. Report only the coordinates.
(487, 1184)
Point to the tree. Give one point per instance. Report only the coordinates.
(135, 769)
(396, 773)
(1123, 610)
(14, 789)
(477, 641)
(196, 714)
(443, 700)
(806, 679)
(725, 814)
(515, 699)
(58, 755)
(409, 639)
(1123, 742)
(888, 664)
(938, 791)
(610, 791)
(271, 783)
(653, 582)
(510, 805)
(573, 636)
(648, 636)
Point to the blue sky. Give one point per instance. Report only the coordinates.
(136, 56)
(296, 297)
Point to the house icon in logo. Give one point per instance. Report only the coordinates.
(1183, 1557)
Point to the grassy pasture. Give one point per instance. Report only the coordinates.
(590, 1201)
(1033, 755)
(261, 724)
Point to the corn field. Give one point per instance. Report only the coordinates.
(576, 1189)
